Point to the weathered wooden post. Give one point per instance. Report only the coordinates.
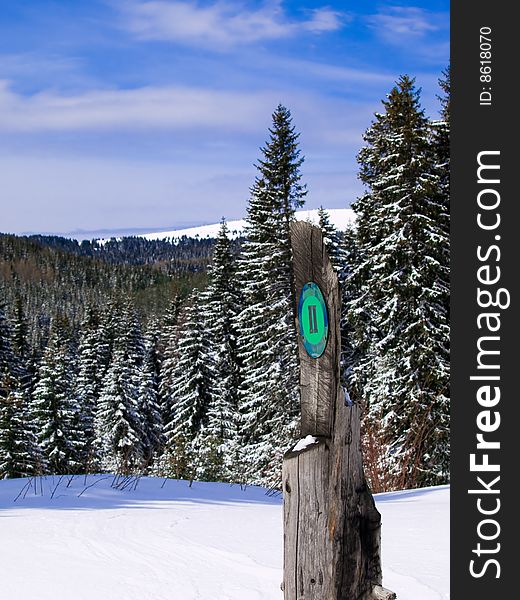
(332, 529)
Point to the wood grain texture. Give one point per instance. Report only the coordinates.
(332, 529)
(319, 377)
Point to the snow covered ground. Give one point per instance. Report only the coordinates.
(211, 541)
(339, 217)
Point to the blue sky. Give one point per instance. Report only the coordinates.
(144, 115)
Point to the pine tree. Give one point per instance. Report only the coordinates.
(88, 383)
(441, 144)
(8, 360)
(217, 444)
(20, 330)
(55, 407)
(332, 239)
(267, 340)
(169, 342)
(109, 326)
(442, 128)
(440, 453)
(353, 345)
(119, 422)
(19, 454)
(191, 388)
(149, 406)
(403, 275)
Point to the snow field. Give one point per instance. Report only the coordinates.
(175, 542)
(339, 217)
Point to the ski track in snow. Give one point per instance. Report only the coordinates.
(210, 541)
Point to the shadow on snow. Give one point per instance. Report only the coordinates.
(94, 492)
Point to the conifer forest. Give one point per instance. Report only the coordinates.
(179, 359)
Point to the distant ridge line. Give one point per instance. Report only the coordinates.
(339, 217)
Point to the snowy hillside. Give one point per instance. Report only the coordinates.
(339, 217)
(210, 541)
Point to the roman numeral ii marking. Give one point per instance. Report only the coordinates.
(313, 321)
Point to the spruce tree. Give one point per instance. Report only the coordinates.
(88, 383)
(19, 454)
(54, 405)
(8, 360)
(441, 146)
(402, 300)
(332, 239)
(149, 407)
(354, 341)
(169, 342)
(267, 339)
(20, 329)
(191, 387)
(119, 422)
(442, 129)
(440, 454)
(217, 443)
(109, 326)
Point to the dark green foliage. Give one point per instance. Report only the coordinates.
(19, 453)
(187, 255)
(44, 280)
(55, 409)
(333, 240)
(8, 360)
(93, 361)
(121, 436)
(216, 444)
(190, 393)
(168, 349)
(267, 337)
(400, 312)
(149, 399)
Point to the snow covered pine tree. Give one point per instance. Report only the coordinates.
(119, 422)
(190, 394)
(267, 339)
(219, 439)
(54, 406)
(19, 456)
(402, 283)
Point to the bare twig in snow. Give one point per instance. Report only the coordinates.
(92, 485)
(26, 486)
(57, 485)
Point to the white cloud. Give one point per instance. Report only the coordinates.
(172, 107)
(52, 183)
(402, 25)
(181, 109)
(332, 73)
(325, 19)
(220, 25)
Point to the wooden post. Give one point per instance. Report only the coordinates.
(332, 529)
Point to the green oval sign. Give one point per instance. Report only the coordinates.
(313, 319)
